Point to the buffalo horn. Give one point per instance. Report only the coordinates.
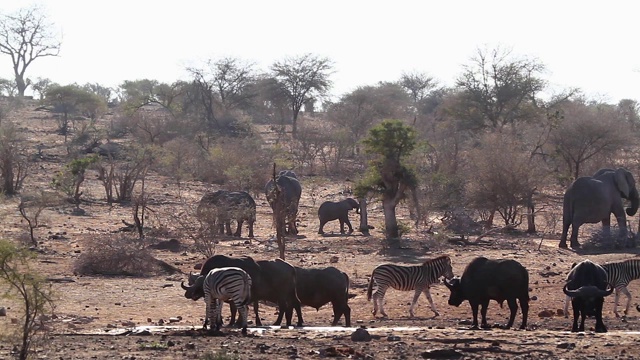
(184, 287)
(588, 291)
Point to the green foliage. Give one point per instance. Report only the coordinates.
(391, 139)
(71, 177)
(28, 288)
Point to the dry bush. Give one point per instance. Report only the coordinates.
(116, 255)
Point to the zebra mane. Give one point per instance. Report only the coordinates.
(437, 259)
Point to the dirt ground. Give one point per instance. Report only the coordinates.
(100, 317)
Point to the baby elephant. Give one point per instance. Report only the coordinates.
(330, 210)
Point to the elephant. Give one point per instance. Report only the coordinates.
(288, 183)
(337, 210)
(592, 199)
(222, 206)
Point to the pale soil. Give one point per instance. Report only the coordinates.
(90, 309)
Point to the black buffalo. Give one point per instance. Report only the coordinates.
(288, 183)
(587, 286)
(317, 287)
(272, 281)
(498, 280)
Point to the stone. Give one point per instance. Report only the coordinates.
(361, 334)
(3, 311)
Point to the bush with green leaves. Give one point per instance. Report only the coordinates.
(30, 290)
(71, 177)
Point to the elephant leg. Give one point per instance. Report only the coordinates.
(606, 227)
(346, 221)
(574, 235)
(238, 232)
(322, 223)
(565, 231)
(251, 228)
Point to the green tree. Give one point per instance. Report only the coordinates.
(71, 99)
(26, 36)
(388, 175)
(29, 288)
(71, 177)
(302, 78)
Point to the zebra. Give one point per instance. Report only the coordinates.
(619, 275)
(406, 278)
(222, 284)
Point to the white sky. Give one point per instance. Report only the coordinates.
(592, 45)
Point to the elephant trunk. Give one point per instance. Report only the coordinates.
(635, 201)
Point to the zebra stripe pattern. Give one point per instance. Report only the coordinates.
(223, 284)
(407, 278)
(619, 275)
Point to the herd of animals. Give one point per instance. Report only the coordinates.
(240, 281)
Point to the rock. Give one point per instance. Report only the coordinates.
(174, 319)
(566, 345)
(334, 259)
(393, 338)
(560, 312)
(3, 311)
(546, 313)
(360, 334)
(442, 354)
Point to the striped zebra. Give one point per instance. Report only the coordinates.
(407, 278)
(223, 284)
(619, 275)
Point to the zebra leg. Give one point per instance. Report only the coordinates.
(379, 298)
(427, 293)
(416, 294)
(243, 310)
(208, 311)
(567, 299)
(615, 303)
(217, 305)
(626, 293)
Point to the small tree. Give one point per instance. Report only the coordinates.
(302, 78)
(26, 36)
(71, 99)
(29, 288)
(390, 142)
(71, 178)
(14, 164)
(31, 207)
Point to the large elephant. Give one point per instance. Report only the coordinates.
(337, 210)
(291, 189)
(592, 199)
(221, 206)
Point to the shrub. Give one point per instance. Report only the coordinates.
(116, 255)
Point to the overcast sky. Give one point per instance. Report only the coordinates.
(594, 46)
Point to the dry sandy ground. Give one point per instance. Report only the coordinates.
(99, 317)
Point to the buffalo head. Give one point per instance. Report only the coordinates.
(195, 290)
(457, 297)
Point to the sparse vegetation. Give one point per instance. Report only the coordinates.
(28, 287)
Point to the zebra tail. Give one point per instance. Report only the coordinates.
(370, 288)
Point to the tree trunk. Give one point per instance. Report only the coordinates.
(22, 86)
(531, 220)
(390, 221)
(364, 225)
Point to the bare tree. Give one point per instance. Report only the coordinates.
(586, 132)
(418, 85)
(302, 78)
(26, 36)
(498, 90)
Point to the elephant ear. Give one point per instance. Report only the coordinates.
(621, 182)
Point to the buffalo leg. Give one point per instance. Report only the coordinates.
(600, 327)
(513, 309)
(320, 230)
(483, 312)
(341, 225)
(474, 312)
(298, 308)
(524, 307)
(255, 309)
